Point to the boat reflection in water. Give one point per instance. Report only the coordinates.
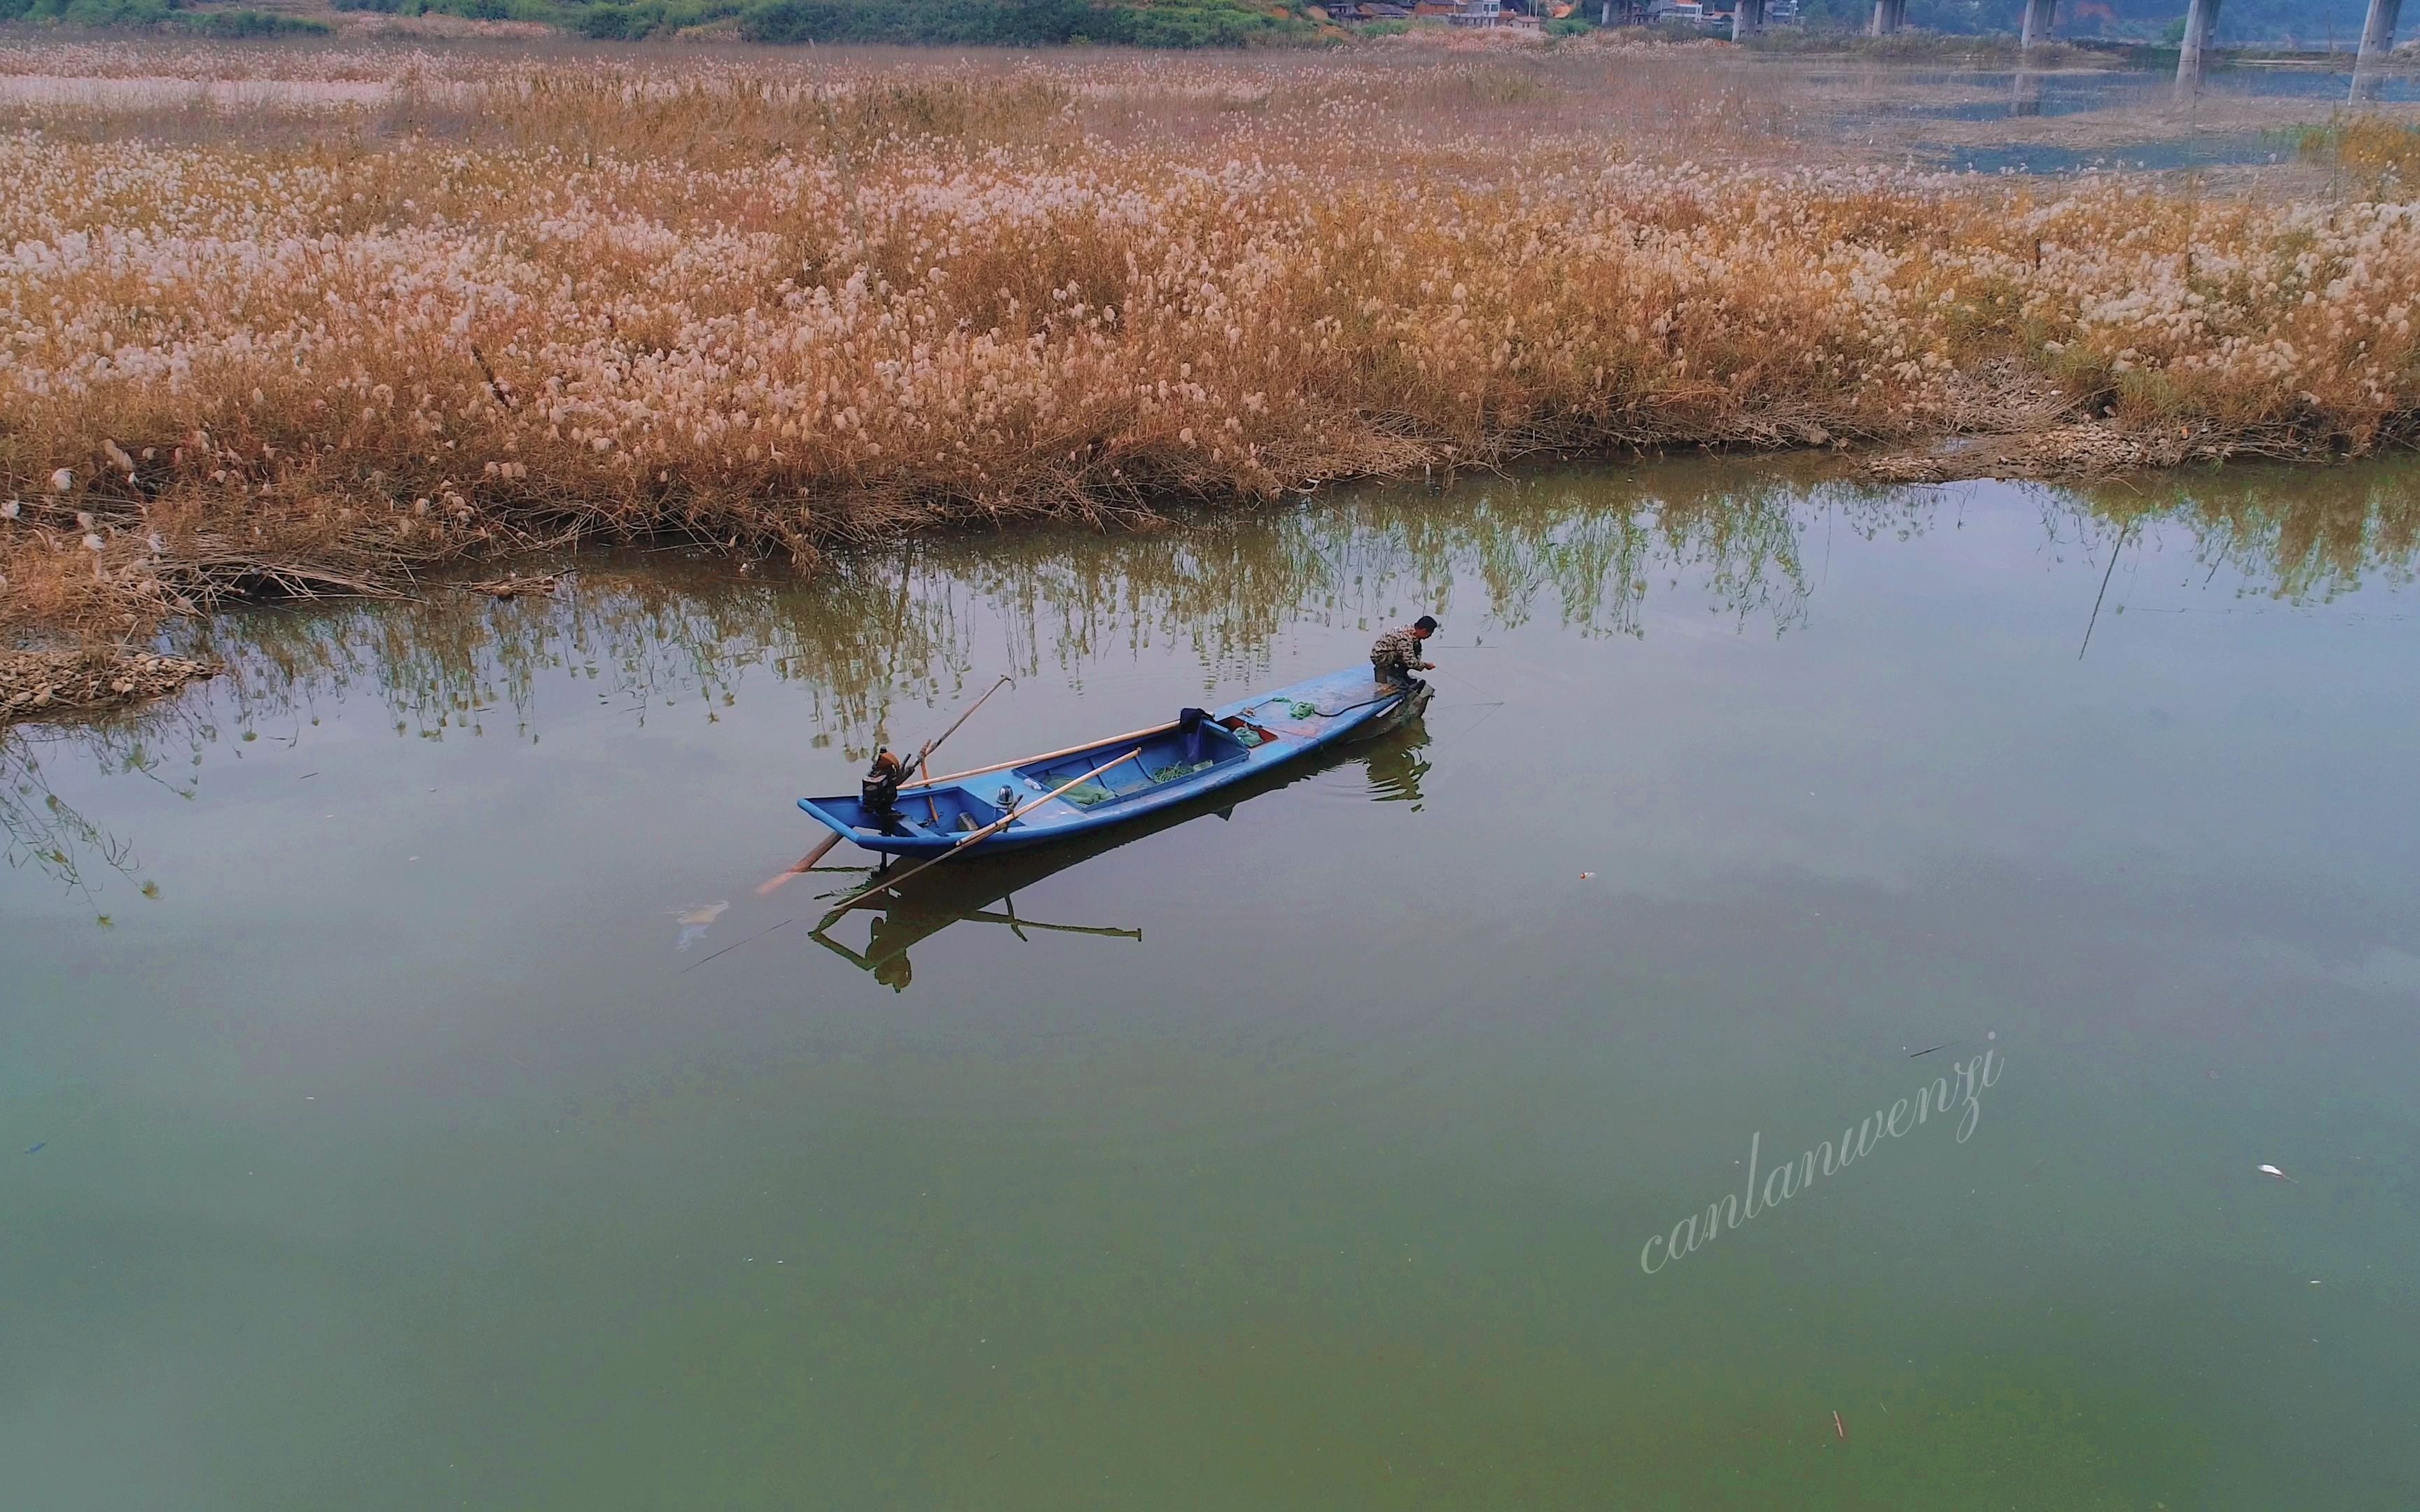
(982, 889)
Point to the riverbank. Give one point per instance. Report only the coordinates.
(336, 340)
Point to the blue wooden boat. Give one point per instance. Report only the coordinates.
(983, 888)
(1200, 751)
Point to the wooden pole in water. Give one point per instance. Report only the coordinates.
(984, 833)
(806, 863)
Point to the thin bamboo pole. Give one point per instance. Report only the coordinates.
(923, 757)
(1051, 755)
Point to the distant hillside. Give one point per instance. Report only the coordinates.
(1160, 24)
(169, 15)
(1157, 24)
(1179, 24)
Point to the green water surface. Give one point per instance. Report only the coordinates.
(443, 1119)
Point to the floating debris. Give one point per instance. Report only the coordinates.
(694, 922)
(513, 585)
(37, 685)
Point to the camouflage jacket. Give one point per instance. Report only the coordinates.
(1397, 652)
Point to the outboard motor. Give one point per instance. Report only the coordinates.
(879, 790)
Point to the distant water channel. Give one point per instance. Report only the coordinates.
(1866, 97)
(441, 1118)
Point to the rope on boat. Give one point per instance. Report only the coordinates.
(1299, 710)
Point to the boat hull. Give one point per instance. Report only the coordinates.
(1194, 756)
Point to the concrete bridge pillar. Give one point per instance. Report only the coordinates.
(1889, 15)
(2201, 19)
(2041, 15)
(1748, 19)
(2377, 40)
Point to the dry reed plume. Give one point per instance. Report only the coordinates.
(783, 311)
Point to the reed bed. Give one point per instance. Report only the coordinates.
(782, 307)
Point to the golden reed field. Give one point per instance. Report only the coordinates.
(311, 320)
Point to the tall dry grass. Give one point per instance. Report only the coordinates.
(782, 308)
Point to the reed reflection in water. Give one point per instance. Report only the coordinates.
(884, 639)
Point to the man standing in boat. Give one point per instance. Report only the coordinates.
(1397, 655)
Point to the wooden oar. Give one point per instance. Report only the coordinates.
(984, 833)
(1047, 755)
(806, 863)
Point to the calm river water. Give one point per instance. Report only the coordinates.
(441, 1116)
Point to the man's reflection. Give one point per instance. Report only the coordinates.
(886, 953)
(1396, 769)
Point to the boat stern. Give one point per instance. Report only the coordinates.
(929, 820)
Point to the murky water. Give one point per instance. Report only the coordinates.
(2139, 128)
(456, 1125)
(2067, 91)
(2148, 156)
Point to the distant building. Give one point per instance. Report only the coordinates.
(1478, 13)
